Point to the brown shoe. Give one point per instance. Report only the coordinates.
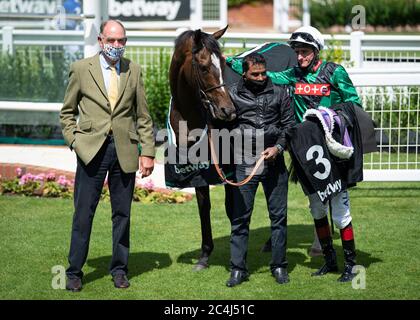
(74, 284)
(120, 281)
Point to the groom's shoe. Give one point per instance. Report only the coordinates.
(74, 284)
(236, 278)
(281, 275)
(120, 281)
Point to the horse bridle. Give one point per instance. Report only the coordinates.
(208, 105)
(205, 99)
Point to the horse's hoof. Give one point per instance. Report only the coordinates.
(200, 266)
(315, 252)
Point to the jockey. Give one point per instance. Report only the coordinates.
(333, 84)
(319, 83)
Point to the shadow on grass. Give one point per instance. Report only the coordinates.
(299, 237)
(139, 262)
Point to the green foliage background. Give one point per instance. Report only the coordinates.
(392, 13)
(158, 93)
(236, 3)
(326, 13)
(32, 76)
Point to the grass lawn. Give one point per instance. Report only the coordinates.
(165, 241)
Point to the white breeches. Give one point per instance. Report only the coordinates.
(340, 207)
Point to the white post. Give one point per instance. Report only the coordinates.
(223, 13)
(276, 15)
(197, 18)
(306, 19)
(7, 40)
(356, 54)
(281, 15)
(96, 12)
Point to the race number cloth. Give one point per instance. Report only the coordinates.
(181, 172)
(318, 170)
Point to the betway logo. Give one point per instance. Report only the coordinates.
(142, 8)
(331, 188)
(28, 6)
(192, 167)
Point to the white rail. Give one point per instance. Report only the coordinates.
(388, 47)
(363, 77)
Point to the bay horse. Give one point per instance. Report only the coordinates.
(196, 79)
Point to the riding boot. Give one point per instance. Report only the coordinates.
(324, 234)
(349, 249)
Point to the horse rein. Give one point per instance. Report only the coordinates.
(208, 104)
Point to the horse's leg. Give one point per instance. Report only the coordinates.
(204, 206)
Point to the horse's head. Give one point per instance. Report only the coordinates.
(196, 75)
(208, 66)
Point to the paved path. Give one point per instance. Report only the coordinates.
(61, 158)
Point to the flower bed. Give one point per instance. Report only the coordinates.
(51, 185)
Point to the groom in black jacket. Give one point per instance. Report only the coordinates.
(263, 111)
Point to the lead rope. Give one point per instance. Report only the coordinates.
(223, 176)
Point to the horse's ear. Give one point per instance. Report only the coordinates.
(198, 43)
(218, 34)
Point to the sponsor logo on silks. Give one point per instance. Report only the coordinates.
(192, 167)
(331, 188)
(316, 89)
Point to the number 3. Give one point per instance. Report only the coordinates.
(319, 160)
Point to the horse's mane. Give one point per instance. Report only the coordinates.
(207, 40)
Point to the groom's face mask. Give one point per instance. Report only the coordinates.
(256, 77)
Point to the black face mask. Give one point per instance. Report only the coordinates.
(255, 85)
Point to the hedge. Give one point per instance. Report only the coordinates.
(32, 76)
(237, 3)
(392, 13)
